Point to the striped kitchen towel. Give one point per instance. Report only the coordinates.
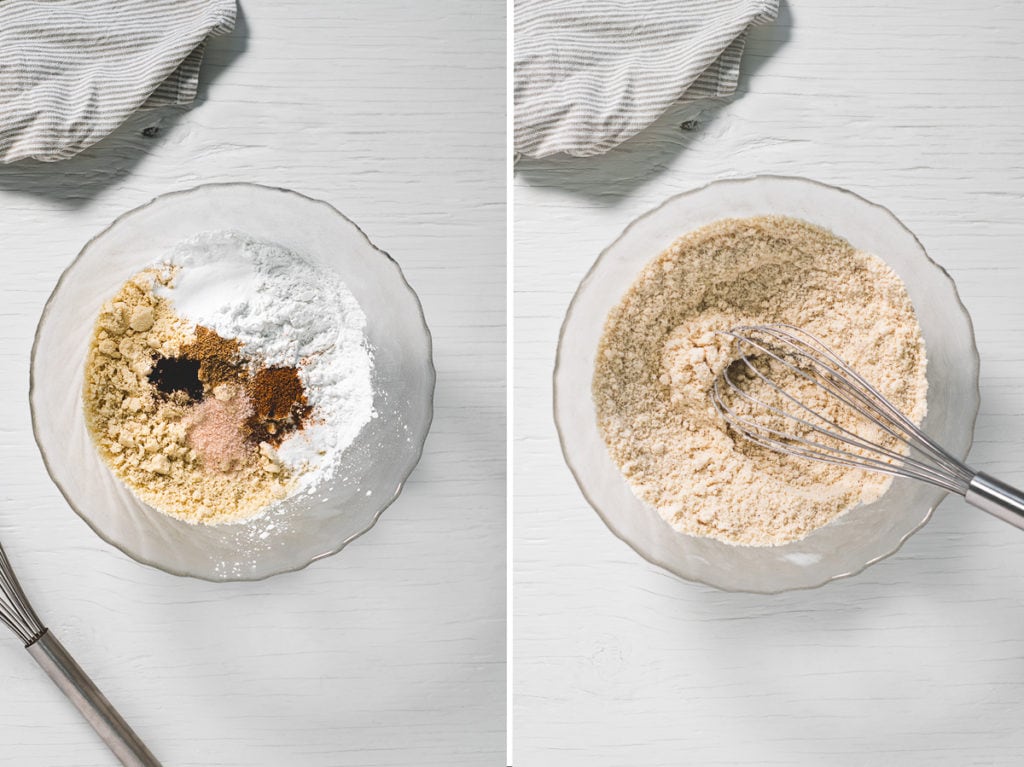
(590, 74)
(72, 71)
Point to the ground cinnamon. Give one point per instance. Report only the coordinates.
(279, 404)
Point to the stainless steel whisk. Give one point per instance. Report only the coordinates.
(17, 614)
(794, 427)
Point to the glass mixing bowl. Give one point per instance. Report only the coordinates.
(304, 528)
(853, 541)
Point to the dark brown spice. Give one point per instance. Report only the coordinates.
(220, 359)
(279, 403)
(174, 374)
(278, 397)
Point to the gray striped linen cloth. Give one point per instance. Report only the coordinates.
(71, 71)
(590, 74)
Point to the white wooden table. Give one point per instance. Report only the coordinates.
(920, 659)
(392, 652)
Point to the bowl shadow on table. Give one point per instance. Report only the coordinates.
(619, 173)
(903, 628)
(72, 183)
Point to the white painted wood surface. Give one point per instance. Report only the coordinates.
(920, 659)
(391, 653)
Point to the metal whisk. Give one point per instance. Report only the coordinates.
(17, 614)
(792, 426)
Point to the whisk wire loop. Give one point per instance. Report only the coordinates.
(869, 397)
(15, 611)
(827, 427)
(17, 614)
(913, 454)
(801, 446)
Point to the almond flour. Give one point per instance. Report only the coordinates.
(659, 356)
(144, 434)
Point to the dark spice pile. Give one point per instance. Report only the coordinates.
(279, 402)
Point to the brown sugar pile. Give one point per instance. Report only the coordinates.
(659, 356)
(181, 416)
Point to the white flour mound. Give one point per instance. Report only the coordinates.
(288, 312)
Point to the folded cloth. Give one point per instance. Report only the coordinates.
(590, 74)
(72, 71)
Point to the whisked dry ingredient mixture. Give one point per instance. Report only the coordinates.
(226, 378)
(659, 356)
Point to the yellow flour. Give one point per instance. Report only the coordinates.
(142, 434)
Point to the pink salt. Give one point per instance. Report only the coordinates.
(217, 431)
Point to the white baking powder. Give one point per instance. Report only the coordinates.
(284, 311)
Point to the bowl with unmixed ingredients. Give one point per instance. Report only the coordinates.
(601, 444)
(231, 382)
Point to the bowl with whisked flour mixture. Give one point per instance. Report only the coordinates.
(638, 355)
(231, 382)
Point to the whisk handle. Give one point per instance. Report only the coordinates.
(93, 705)
(997, 498)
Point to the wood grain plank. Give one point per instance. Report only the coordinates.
(391, 653)
(917, 661)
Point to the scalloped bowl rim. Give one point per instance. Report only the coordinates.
(333, 548)
(974, 361)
